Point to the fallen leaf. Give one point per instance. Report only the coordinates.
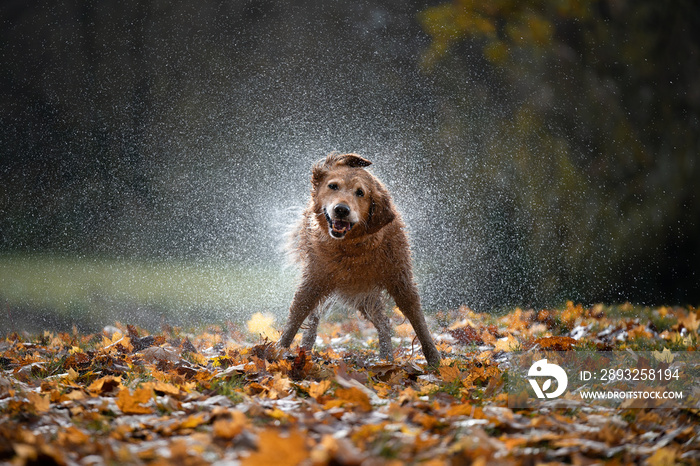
(164, 353)
(228, 428)
(134, 403)
(40, 403)
(350, 397)
(278, 450)
(317, 389)
(556, 343)
(466, 335)
(662, 457)
(507, 344)
(105, 384)
(663, 356)
(449, 373)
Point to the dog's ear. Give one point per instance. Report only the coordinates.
(334, 159)
(349, 160)
(353, 160)
(318, 171)
(381, 212)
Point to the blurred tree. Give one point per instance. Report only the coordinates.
(588, 129)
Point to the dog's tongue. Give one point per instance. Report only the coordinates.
(341, 225)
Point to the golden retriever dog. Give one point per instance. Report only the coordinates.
(351, 245)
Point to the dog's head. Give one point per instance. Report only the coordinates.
(350, 200)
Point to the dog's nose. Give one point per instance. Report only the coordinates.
(341, 210)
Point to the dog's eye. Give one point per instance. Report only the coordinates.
(333, 186)
(359, 193)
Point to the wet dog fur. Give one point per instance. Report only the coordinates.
(351, 245)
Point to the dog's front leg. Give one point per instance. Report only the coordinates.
(308, 296)
(407, 299)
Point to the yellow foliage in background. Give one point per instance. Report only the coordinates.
(261, 324)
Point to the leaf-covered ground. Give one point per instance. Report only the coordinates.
(228, 396)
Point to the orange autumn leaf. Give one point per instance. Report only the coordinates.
(134, 403)
(229, 428)
(163, 387)
(572, 312)
(318, 389)
(449, 374)
(73, 436)
(556, 343)
(461, 410)
(350, 396)
(278, 450)
(367, 432)
(407, 395)
(690, 320)
(105, 384)
(192, 421)
(40, 403)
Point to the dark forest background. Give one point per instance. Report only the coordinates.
(540, 150)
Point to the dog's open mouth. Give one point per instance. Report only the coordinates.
(338, 228)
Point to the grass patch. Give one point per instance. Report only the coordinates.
(139, 291)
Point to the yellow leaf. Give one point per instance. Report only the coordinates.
(261, 324)
(690, 321)
(277, 413)
(75, 395)
(192, 421)
(507, 344)
(133, 403)
(72, 374)
(662, 457)
(664, 356)
(276, 450)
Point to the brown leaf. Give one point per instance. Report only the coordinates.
(556, 343)
(156, 354)
(77, 360)
(466, 335)
(301, 366)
